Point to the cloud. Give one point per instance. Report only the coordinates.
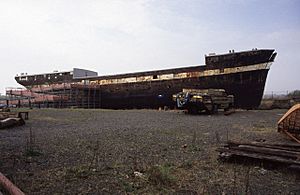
(117, 36)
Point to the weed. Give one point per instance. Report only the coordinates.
(128, 187)
(187, 165)
(95, 156)
(160, 175)
(247, 181)
(218, 137)
(194, 138)
(76, 172)
(31, 146)
(195, 148)
(32, 153)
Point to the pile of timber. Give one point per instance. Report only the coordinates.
(12, 119)
(285, 154)
(4, 110)
(5, 115)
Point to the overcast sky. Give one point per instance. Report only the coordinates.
(118, 36)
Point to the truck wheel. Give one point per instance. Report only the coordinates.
(230, 106)
(211, 110)
(210, 107)
(192, 110)
(216, 108)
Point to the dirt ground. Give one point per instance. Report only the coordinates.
(139, 152)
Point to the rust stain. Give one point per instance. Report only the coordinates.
(179, 75)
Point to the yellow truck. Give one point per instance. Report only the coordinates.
(199, 100)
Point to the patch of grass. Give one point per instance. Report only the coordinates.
(77, 172)
(128, 187)
(32, 153)
(187, 165)
(262, 128)
(195, 148)
(160, 175)
(30, 149)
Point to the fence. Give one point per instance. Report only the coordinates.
(276, 94)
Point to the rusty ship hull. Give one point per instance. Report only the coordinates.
(242, 74)
(247, 94)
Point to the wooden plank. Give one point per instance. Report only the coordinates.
(271, 151)
(272, 158)
(283, 146)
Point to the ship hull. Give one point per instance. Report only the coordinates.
(247, 88)
(242, 74)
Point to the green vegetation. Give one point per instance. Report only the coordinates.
(160, 175)
(76, 172)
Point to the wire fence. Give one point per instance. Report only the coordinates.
(276, 94)
(288, 94)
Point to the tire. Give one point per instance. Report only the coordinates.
(210, 108)
(215, 109)
(210, 111)
(193, 110)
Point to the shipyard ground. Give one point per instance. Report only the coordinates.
(139, 152)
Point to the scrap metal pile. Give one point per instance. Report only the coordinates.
(287, 154)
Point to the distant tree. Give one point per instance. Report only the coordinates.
(295, 93)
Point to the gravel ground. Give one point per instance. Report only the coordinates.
(139, 152)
